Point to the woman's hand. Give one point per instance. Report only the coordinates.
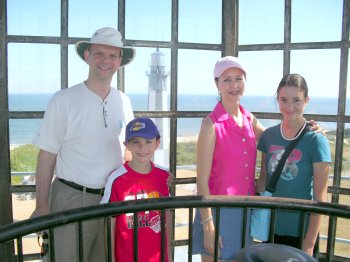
(209, 238)
(261, 182)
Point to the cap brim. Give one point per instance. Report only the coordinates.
(145, 136)
(128, 52)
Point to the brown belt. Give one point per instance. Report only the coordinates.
(98, 191)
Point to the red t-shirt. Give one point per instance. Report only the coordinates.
(125, 184)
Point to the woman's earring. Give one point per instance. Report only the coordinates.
(219, 97)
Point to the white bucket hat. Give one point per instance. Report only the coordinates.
(107, 36)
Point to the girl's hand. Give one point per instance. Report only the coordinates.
(308, 247)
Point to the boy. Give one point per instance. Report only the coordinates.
(137, 179)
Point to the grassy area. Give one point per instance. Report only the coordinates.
(186, 153)
(23, 158)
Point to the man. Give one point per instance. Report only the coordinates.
(80, 140)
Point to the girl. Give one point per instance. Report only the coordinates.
(305, 173)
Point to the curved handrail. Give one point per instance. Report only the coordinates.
(25, 227)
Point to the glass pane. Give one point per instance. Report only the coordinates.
(262, 79)
(33, 68)
(181, 224)
(186, 189)
(40, 17)
(269, 122)
(148, 20)
(187, 130)
(200, 21)
(323, 81)
(316, 20)
(23, 177)
(198, 102)
(330, 132)
(187, 133)
(92, 15)
(161, 155)
(23, 207)
(256, 27)
(28, 102)
(342, 246)
(348, 88)
(139, 102)
(196, 80)
(147, 79)
(324, 234)
(23, 164)
(78, 70)
(181, 254)
(30, 245)
(22, 131)
(345, 175)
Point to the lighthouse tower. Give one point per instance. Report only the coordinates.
(157, 101)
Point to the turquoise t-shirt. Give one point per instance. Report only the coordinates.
(296, 180)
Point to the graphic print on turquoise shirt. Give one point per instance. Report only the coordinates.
(290, 169)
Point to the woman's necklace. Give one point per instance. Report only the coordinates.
(297, 135)
(231, 111)
(238, 119)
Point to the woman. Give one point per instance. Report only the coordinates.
(226, 158)
(305, 174)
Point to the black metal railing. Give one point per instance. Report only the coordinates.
(16, 231)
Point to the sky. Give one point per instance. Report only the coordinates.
(35, 68)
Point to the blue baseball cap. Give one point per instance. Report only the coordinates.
(141, 127)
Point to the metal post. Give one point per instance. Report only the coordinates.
(229, 27)
(6, 250)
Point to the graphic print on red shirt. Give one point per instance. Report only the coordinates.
(125, 184)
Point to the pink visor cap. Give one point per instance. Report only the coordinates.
(225, 63)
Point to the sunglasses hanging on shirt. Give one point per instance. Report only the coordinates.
(105, 112)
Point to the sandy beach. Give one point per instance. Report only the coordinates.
(186, 139)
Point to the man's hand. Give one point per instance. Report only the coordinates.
(39, 212)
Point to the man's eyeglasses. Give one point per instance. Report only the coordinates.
(105, 112)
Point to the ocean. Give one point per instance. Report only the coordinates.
(22, 131)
